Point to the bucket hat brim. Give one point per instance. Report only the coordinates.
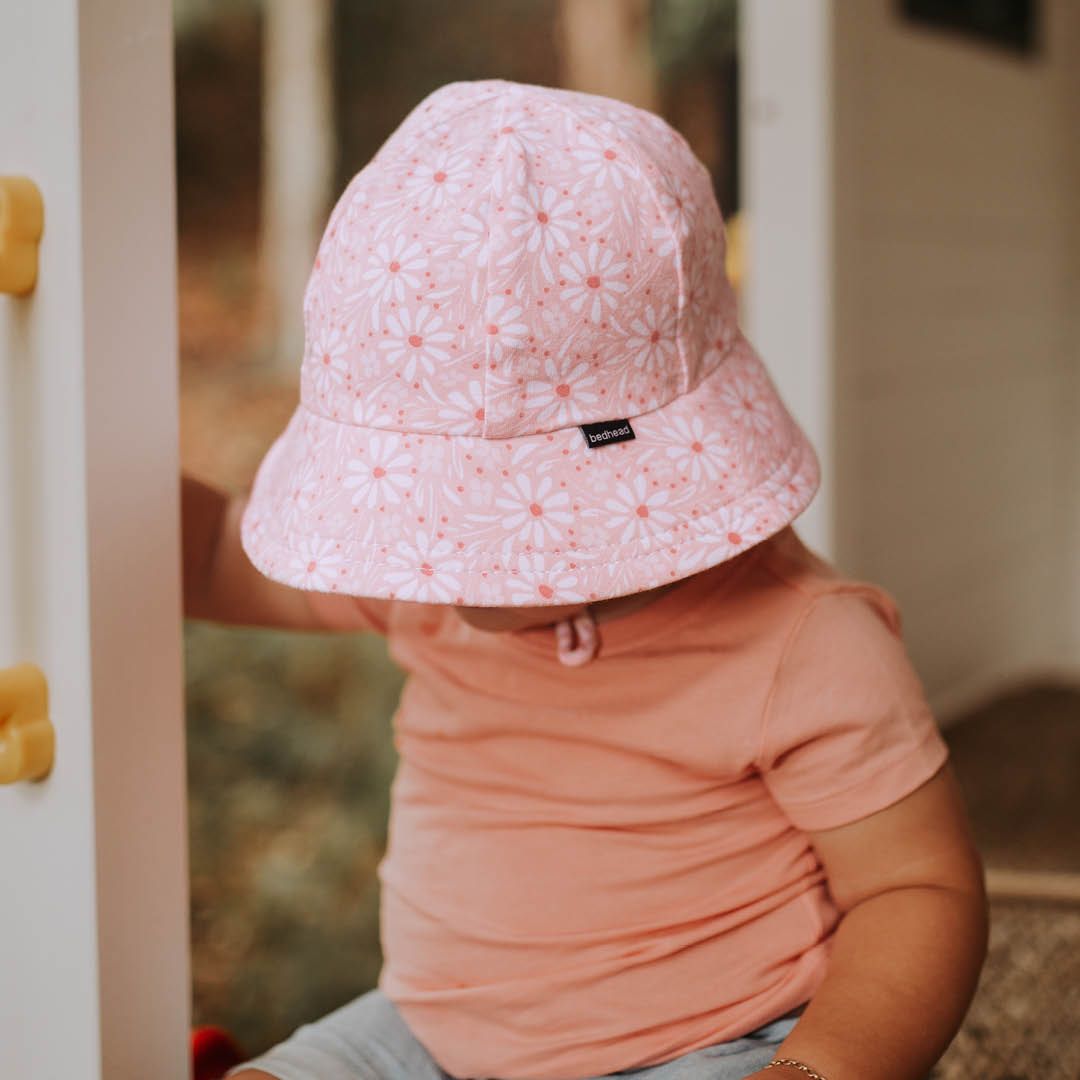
(536, 520)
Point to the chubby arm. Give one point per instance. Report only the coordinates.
(219, 581)
(911, 942)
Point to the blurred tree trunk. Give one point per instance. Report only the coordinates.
(297, 164)
(605, 49)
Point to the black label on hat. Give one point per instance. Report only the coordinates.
(607, 431)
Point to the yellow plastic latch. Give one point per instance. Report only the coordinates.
(22, 219)
(735, 262)
(27, 740)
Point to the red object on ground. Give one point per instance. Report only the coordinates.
(213, 1052)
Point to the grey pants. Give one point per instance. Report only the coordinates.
(368, 1040)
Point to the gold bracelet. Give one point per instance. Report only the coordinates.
(796, 1065)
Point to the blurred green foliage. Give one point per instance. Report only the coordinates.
(388, 56)
(693, 34)
(290, 759)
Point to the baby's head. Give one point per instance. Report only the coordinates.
(524, 386)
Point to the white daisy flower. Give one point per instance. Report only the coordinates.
(394, 265)
(638, 512)
(748, 405)
(651, 342)
(315, 565)
(556, 399)
(464, 407)
(537, 513)
(473, 237)
(425, 571)
(416, 339)
(503, 326)
(663, 239)
(439, 179)
(699, 284)
(697, 451)
(694, 557)
(593, 282)
(725, 337)
(521, 134)
(302, 491)
(326, 363)
(742, 528)
(543, 221)
(676, 203)
(544, 584)
(382, 474)
(796, 492)
(602, 162)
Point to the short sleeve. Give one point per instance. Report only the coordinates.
(336, 611)
(847, 728)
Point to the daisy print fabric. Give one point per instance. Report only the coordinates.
(514, 262)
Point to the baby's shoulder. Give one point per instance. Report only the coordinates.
(790, 583)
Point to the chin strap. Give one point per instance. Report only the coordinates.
(576, 639)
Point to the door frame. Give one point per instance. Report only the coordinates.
(786, 153)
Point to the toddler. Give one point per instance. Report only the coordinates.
(670, 800)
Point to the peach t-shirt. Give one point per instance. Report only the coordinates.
(606, 867)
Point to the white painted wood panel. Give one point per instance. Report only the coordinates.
(94, 981)
(786, 157)
(955, 330)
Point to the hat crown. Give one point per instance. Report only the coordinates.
(515, 260)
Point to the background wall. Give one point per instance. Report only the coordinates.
(955, 341)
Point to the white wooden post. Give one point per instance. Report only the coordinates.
(94, 981)
(297, 163)
(785, 65)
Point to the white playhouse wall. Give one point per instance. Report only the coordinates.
(943, 349)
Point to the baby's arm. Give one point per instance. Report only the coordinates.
(907, 953)
(219, 581)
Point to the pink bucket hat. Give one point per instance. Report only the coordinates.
(523, 380)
